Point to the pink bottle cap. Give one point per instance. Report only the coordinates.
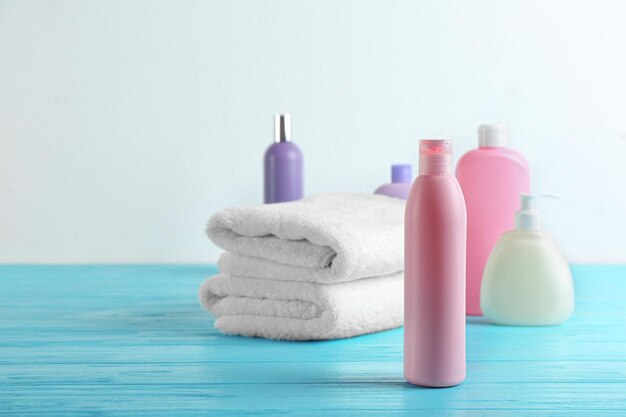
(435, 157)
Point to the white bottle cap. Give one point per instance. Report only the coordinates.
(490, 136)
(528, 217)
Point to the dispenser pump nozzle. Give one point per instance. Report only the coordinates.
(528, 217)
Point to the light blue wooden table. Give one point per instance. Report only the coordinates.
(132, 340)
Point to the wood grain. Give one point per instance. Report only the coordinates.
(133, 340)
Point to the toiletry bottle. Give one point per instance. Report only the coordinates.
(401, 180)
(434, 276)
(491, 178)
(527, 280)
(283, 164)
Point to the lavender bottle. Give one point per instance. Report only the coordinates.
(283, 164)
(401, 181)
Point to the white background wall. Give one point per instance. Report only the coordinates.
(124, 125)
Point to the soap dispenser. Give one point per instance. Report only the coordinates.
(282, 165)
(401, 181)
(527, 280)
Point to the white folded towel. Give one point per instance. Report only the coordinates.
(325, 267)
(326, 238)
(292, 310)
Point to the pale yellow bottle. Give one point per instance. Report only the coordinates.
(527, 280)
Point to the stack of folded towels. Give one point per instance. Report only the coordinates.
(324, 267)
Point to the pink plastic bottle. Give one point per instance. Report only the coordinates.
(491, 178)
(434, 272)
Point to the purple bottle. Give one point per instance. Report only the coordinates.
(283, 164)
(401, 180)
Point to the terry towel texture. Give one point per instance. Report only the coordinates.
(325, 267)
(326, 238)
(292, 310)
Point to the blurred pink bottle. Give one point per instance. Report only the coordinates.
(491, 178)
(434, 275)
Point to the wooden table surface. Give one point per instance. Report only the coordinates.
(133, 340)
